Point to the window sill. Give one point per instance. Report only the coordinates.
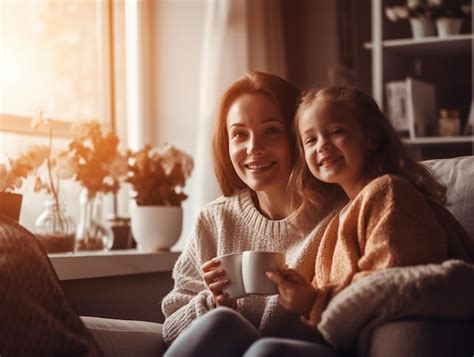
(84, 265)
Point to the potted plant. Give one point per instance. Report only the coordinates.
(12, 174)
(449, 16)
(99, 166)
(158, 176)
(422, 15)
(418, 12)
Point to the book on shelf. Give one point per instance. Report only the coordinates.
(411, 106)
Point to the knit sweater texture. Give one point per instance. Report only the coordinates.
(388, 224)
(233, 224)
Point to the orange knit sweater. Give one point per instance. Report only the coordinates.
(388, 224)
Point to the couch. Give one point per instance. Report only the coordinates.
(407, 337)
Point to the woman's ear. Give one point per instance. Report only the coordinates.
(373, 140)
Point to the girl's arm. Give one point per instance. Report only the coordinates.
(393, 226)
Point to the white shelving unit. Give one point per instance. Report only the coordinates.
(439, 140)
(391, 57)
(449, 46)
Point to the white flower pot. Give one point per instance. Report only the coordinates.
(422, 27)
(448, 26)
(156, 228)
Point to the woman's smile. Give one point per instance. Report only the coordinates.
(260, 166)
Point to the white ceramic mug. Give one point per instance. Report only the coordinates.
(232, 265)
(255, 264)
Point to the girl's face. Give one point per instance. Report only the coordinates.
(259, 143)
(335, 147)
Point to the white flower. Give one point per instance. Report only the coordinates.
(466, 9)
(65, 166)
(118, 167)
(39, 120)
(187, 165)
(391, 14)
(3, 170)
(3, 177)
(17, 182)
(170, 156)
(37, 154)
(414, 3)
(401, 11)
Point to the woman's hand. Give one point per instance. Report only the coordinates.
(215, 280)
(295, 293)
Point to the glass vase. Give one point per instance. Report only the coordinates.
(91, 233)
(55, 228)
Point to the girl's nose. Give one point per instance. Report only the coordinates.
(322, 144)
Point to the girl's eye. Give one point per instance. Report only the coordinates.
(309, 140)
(336, 131)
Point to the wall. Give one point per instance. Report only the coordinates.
(179, 27)
(172, 58)
(311, 40)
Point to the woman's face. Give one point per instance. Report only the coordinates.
(259, 143)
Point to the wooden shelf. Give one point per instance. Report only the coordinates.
(439, 140)
(449, 46)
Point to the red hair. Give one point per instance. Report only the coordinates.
(283, 94)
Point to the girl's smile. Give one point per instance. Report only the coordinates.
(329, 161)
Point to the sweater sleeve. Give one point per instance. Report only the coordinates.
(190, 297)
(395, 227)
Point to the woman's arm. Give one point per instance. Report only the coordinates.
(190, 297)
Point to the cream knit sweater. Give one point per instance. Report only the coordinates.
(229, 225)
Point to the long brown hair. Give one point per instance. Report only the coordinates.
(283, 94)
(389, 157)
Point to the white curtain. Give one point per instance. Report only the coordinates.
(239, 35)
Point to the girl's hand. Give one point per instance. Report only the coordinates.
(215, 280)
(295, 293)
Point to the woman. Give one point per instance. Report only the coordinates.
(254, 153)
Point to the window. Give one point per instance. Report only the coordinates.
(66, 58)
(58, 58)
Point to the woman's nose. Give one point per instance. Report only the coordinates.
(254, 147)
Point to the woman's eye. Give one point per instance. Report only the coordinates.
(272, 130)
(238, 135)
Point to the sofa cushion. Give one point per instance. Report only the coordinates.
(428, 291)
(126, 337)
(430, 338)
(458, 176)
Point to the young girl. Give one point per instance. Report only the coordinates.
(394, 216)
